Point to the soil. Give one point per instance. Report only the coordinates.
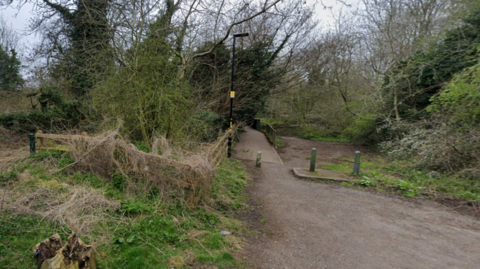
(304, 224)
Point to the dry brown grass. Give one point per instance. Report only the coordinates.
(170, 169)
(79, 208)
(13, 148)
(184, 174)
(14, 101)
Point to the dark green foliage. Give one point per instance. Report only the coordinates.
(417, 79)
(6, 177)
(10, 78)
(204, 125)
(86, 56)
(212, 68)
(132, 208)
(56, 113)
(255, 76)
(118, 180)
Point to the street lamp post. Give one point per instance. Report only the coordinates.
(232, 95)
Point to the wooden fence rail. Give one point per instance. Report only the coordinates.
(271, 134)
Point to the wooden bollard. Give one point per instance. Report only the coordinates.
(259, 159)
(313, 160)
(356, 165)
(40, 139)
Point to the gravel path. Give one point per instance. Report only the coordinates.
(304, 224)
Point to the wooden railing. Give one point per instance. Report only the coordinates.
(271, 134)
(44, 141)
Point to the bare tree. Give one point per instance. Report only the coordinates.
(8, 38)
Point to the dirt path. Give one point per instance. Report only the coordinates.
(304, 224)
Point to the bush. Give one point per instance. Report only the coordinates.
(437, 146)
(204, 125)
(55, 113)
(363, 129)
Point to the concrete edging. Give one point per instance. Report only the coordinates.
(321, 174)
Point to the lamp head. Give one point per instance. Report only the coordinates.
(240, 35)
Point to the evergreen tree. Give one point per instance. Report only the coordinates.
(10, 77)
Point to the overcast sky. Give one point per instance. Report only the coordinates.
(19, 19)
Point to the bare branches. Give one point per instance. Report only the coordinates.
(227, 34)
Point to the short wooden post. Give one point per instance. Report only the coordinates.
(32, 143)
(313, 159)
(356, 165)
(259, 159)
(40, 139)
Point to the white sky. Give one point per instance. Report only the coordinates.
(19, 19)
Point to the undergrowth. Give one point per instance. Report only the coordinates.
(310, 132)
(403, 178)
(135, 230)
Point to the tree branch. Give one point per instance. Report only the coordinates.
(65, 12)
(263, 10)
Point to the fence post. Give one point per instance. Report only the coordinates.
(274, 138)
(356, 165)
(259, 159)
(313, 160)
(32, 143)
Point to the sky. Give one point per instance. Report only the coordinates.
(19, 19)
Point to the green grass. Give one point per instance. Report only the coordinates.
(18, 236)
(313, 135)
(402, 178)
(144, 232)
(273, 121)
(278, 143)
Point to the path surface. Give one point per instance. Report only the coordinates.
(253, 141)
(316, 225)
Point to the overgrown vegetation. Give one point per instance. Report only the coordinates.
(399, 75)
(404, 178)
(129, 229)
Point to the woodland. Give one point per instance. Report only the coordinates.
(399, 76)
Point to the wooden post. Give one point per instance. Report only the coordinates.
(259, 159)
(313, 160)
(274, 138)
(356, 165)
(40, 139)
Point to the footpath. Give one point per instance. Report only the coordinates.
(253, 141)
(305, 224)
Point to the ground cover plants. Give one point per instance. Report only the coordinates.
(311, 132)
(404, 178)
(129, 228)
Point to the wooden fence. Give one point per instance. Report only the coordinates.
(216, 153)
(45, 141)
(271, 134)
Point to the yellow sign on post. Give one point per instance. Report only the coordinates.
(232, 94)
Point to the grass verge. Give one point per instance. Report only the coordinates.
(403, 178)
(135, 230)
